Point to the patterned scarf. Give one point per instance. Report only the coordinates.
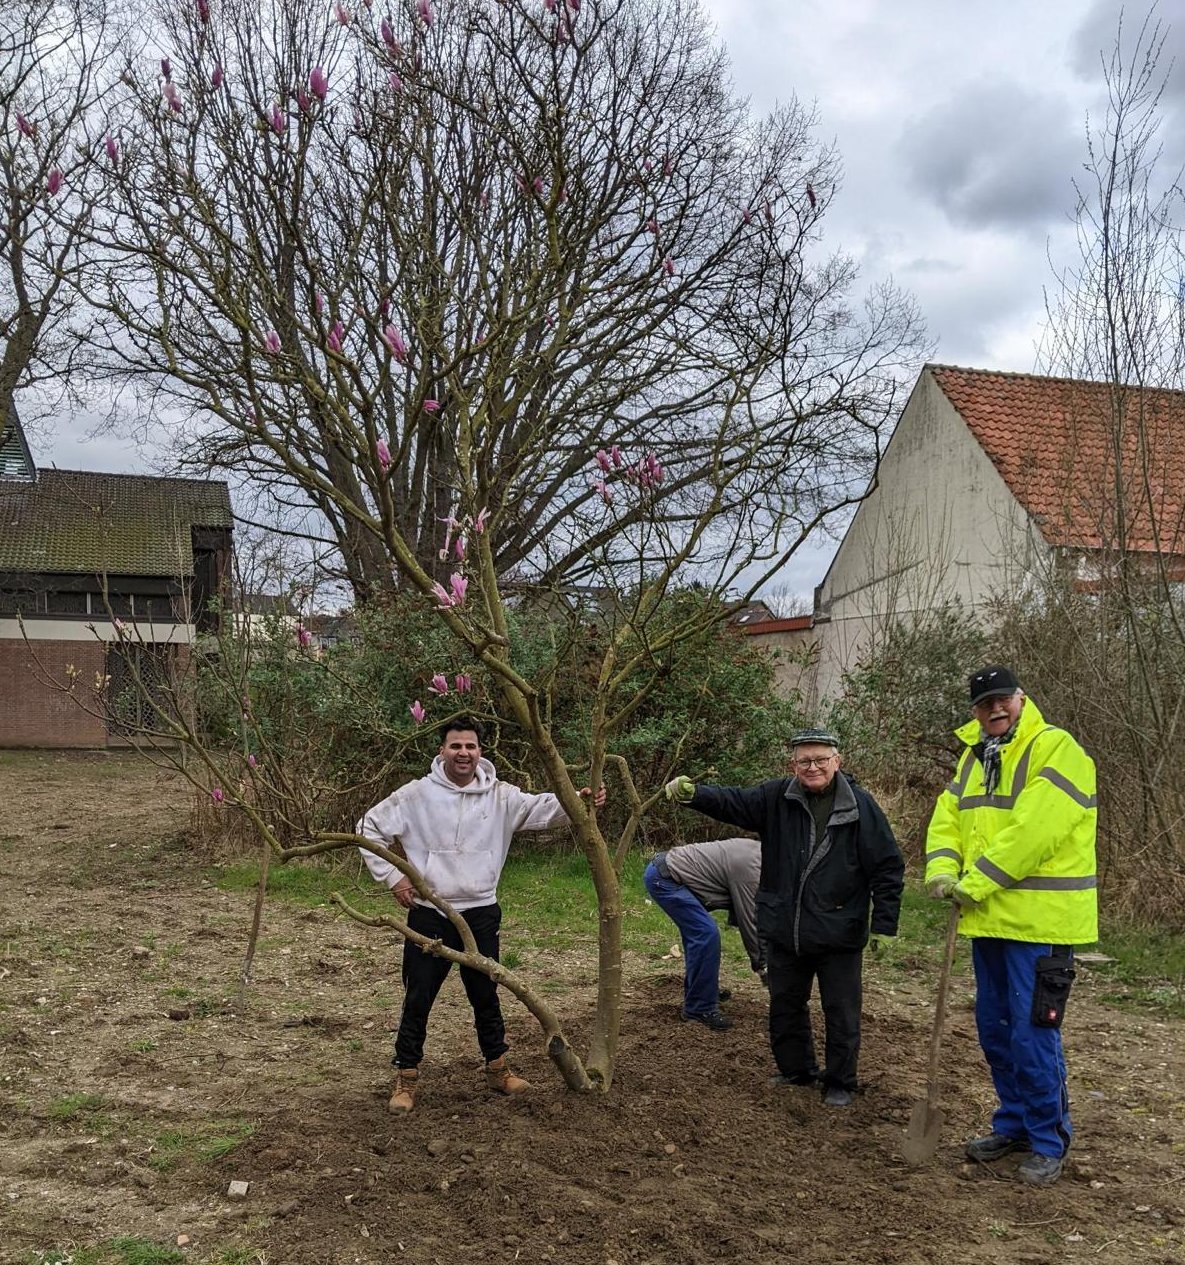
(989, 755)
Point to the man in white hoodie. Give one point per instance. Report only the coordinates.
(455, 827)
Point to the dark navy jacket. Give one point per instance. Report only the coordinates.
(815, 899)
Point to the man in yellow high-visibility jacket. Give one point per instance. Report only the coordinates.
(1012, 840)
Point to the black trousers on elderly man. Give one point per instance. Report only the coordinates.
(791, 976)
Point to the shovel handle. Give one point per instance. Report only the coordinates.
(948, 957)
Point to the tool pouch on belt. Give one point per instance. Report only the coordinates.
(1051, 990)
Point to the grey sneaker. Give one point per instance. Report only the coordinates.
(994, 1147)
(837, 1096)
(1040, 1170)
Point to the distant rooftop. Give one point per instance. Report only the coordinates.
(80, 522)
(1058, 442)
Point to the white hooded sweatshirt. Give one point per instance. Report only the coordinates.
(456, 836)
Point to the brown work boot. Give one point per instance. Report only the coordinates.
(403, 1096)
(502, 1080)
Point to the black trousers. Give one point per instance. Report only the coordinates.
(790, 978)
(424, 973)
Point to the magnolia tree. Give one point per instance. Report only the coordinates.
(53, 91)
(512, 294)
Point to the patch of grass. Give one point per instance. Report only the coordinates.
(1148, 971)
(200, 1143)
(306, 884)
(239, 1256)
(135, 1251)
(145, 1045)
(179, 991)
(73, 1106)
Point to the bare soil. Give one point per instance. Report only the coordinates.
(108, 923)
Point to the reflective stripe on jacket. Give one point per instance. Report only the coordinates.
(1027, 851)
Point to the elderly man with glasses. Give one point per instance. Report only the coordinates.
(827, 855)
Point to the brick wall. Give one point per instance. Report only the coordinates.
(34, 715)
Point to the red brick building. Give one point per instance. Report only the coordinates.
(78, 551)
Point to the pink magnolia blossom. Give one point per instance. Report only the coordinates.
(574, 5)
(652, 226)
(520, 183)
(458, 584)
(203, 8)
(463, 682)
(172, 92)
(394, 82)
(342, 14)
(304, 101)
(393, 45)
(653, 468)
(24, 126)
(119, 626)
(549, 5)
(54, 181)
(384, 454)
(459, 548)
(271, 343)
(439, 684)
(615, 453)
(318, 82)
(648, 165)
(668, 266)
(318, 303)
(668, 165)
(746, 215)
(483, 199)
(252, 762)
(537, 185)
(217, 77)
(431, 406)
(396, 345)
(277, 119)
(112, 148)
(166, 68)
(602, 488)
(479, 523)
(217, 795)
(424, 12)
(334, 339)
(442, 595)
(303, 636)
(417, 712)
(810, 196)
(603, 460)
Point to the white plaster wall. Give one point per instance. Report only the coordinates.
(79, 630)
(941, 524)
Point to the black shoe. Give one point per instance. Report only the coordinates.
(1040, 1170)
(710, 1019)
(994, 1147)
(798, 1082)
(837, 1096)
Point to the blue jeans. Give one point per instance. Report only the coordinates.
(701, 940)
(1028, 1069)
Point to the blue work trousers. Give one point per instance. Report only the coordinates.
(701, 940)
(1027, 1065)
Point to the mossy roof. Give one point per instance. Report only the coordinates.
(80, 522)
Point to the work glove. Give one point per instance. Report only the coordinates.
(941, 887)
(962, 897)
(878, 943)
(681, 790)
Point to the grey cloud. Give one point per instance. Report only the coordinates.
(996, 156)
(1094, 42)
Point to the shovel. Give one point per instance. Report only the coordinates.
(925, 1122)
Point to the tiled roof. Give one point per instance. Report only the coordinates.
(1054, 442)
(79, 522)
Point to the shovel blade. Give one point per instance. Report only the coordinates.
(922, 1137)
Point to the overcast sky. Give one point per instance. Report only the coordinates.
(960, 123)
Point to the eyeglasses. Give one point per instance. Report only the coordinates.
(819, 762)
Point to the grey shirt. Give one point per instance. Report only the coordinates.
(723, 874)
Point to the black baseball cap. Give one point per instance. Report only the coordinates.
(990, 682)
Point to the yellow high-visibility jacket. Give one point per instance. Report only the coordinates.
(1027, 851)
